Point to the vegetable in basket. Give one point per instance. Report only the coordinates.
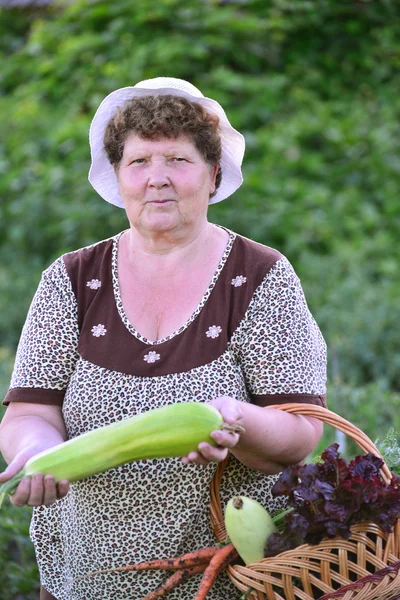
(249, 526)
(325, 499)
(169, 431)
(328, 497)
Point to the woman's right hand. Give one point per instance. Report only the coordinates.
(36, 490)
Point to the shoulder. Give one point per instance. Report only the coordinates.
(261, 261)
(87, 266)
(258, 254)
(88, 256)
(269, 274)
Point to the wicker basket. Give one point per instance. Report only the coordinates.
(364, 567)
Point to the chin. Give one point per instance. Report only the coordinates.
(162, 225)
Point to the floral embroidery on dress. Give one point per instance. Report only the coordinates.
(98, 330)
(151, 357)
(239, 280)
(94, 284)
(213, 331)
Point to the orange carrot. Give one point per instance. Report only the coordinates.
(191, 559)
(219, 561)
(180, 576)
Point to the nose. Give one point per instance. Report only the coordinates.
(158, 176)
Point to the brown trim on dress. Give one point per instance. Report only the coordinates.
(269, 399)
(45, 595)
(106, 341)
(34, 395)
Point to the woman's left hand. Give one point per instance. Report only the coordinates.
(232, 413)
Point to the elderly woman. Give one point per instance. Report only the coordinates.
(172, 309)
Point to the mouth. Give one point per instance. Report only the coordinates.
(159, 202)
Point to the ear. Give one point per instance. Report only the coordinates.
(213, 177)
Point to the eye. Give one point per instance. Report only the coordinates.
(138, 161)
(178, 159)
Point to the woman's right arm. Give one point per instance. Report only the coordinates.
(26, 430)
(46, 357)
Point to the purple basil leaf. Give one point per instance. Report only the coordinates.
(349, 495)
(286, 483)
(330, 496)
(365, 466)
(337, 511)
(326, 490)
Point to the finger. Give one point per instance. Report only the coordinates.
(7, 473)
(226, 439)
(63, 488)
(212, 453)
(195, 458)
(50, 490)
(12, 469)
(37, 490)
(22, 493)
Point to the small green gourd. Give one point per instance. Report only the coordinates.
(249, 526)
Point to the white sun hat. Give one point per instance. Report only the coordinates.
(101, 173)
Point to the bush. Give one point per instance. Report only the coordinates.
(313, 89)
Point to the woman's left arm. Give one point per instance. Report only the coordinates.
(272, 440)
(282, 356)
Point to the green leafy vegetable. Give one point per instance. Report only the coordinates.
(390, 449)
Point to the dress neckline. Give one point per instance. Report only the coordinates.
(182, 328)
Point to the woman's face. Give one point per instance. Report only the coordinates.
(165, 184)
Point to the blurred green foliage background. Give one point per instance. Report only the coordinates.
(314, 87)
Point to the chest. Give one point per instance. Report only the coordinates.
(157, 304)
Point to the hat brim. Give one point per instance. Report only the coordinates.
(102, 175)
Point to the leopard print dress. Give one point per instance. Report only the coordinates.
(251, 337)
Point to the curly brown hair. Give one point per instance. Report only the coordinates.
(156, 116)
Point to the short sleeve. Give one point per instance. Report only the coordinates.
(279, 345)
(48, 347)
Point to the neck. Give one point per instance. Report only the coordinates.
(167, 247)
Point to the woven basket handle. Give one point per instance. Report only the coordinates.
(307, 410)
